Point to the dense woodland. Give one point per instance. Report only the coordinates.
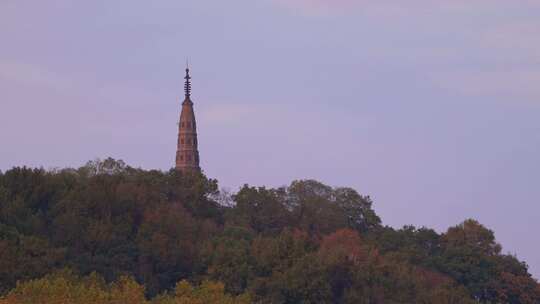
(109, 233)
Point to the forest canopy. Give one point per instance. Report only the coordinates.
(110, 233)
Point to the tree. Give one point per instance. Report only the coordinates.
(472, 234)
(313, 209)
(68, 288)
(166, 243)
(109, 166)
(260, 210)
(516, 289)
(357, 209)
(468, 256)
(25, 257)
(226, 259)
(206, 293)
(321, 209)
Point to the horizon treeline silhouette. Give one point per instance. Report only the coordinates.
(110, 233)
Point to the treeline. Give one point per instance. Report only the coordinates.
(67, 288)
(107, 230)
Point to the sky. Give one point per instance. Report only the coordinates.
(431, 107)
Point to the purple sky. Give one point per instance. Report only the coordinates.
(432, 108)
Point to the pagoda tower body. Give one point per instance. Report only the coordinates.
(187, 153)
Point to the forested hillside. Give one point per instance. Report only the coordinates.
(109, 233)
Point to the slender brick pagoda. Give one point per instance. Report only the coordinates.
(187, 153)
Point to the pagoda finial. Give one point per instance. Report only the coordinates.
(187, 85)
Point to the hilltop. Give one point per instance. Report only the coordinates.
(142, 233)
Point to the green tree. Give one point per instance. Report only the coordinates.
(226, 259)
(260, 210)
(473, 235)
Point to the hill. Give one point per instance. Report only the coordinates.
(107, 230)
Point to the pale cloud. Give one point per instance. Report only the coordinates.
(396, 8)
(518, 40)
(500, 36)
(510, 68)
(33, 75)
(515, 85)
(234, 113)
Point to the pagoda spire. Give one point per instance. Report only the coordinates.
(187, 84)
(187, 152)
